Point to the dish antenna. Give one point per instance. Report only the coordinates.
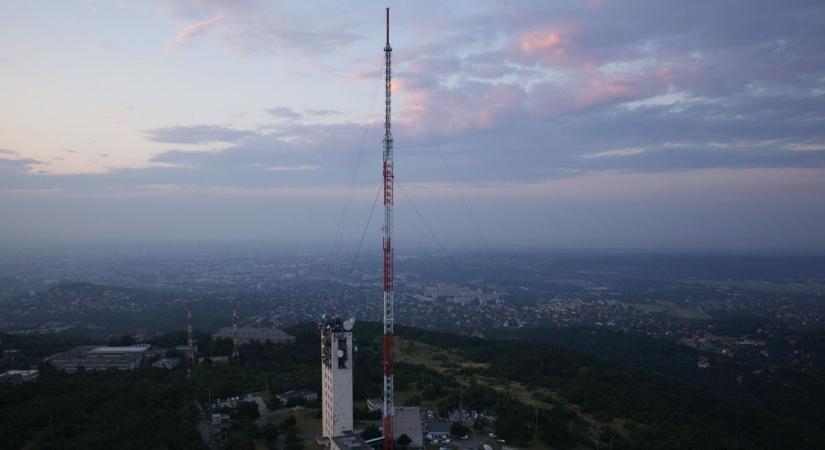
(348, 324)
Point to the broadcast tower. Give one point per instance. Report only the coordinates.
(389, 356)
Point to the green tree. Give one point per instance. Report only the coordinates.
(458, 429)
(404, 441)
(269, 433)
(288, 423)
(370, 432)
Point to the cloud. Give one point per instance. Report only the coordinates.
(305, 41)
(14, 169)
(615, 152)
(195, 29)
(526, 91)
(300, 168)
(284, 112)
(196, 134)
(252, 27)
(322, 112)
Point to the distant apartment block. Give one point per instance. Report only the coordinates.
(94, 358)
(249, 334)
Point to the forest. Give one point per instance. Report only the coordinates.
(579, 398)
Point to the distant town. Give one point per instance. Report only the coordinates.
(637, 294)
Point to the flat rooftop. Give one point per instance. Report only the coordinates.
(99, 356)
(349, 442)
(105, 350)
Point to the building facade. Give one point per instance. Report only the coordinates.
(336, 376)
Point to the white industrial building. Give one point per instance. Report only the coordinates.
(407, 421)
(19, 376)
(94, 358)
(336, 377)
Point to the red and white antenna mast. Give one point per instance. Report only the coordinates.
(389, 319)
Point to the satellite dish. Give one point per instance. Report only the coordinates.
(340, 353)
(348, 324)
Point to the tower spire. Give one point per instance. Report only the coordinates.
(389, 318)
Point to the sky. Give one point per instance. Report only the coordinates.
(561, 124)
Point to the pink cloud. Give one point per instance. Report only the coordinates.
(195, 29)
(540, 41)
(549, 46)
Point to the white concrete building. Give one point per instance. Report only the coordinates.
(408, 421)
(336, 376)
(94, 358)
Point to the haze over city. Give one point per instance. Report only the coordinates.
(611, 124)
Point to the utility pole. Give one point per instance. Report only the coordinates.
(389, 316)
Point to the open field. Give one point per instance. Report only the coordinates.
(671, 309)
(413, 352)
(765, 286)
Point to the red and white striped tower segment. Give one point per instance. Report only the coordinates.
(389, 356)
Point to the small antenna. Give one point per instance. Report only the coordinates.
(190, 352)
(236, 352)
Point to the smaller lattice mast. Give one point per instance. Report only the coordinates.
(236, 350)
(190, 341)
